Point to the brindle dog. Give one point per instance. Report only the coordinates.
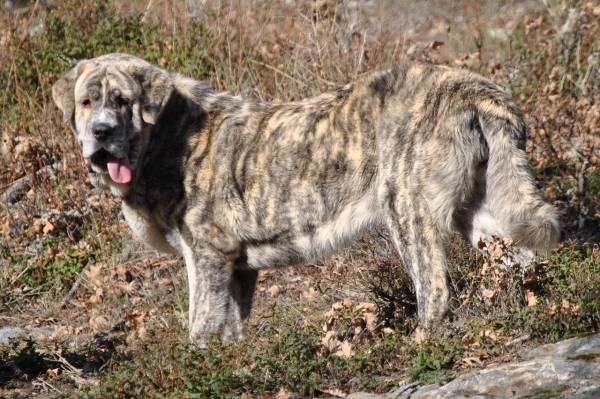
(236, 186)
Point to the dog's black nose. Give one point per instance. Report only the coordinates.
(102, 131)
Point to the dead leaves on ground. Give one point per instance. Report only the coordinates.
(474, 360)
(479, 349)
(505, 265)
(347, 323)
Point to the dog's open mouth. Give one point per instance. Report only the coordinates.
(119, 169)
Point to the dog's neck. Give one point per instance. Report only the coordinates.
(151, 143)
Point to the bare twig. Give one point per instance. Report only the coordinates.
(24, 184)
(518, 340)
(16, 190)
(19, 276)
(75, 287)
(280, 72)
(69, 367)
(289, 305)
(47, 384)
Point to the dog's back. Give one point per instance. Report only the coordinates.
(313, 174)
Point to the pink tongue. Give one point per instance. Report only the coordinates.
(119, 169)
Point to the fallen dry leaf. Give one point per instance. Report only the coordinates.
(335, 392)
(310, 294)
(365, 306)
(345, 304)
(468, 361)
(419, 335)
(51, 373)
(485, 268)
(274, 290)
(6, 229)
(531, 298)
(566, 305)
(329, 341)
(121, 272)
(60, 331)
(481, 244)
(52, 252)
(489, 294)
(496, 252)
(434, 45)
(48, 228)
(93, 274)
(481, 353)
(345, 350)
(123, 286)
(137, 321)
(282, 394)
(162, 263)
(98, 323)
(327, 326)
(490, 334)
(371, 320)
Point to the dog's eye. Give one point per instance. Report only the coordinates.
(86, 103)
(122, 102)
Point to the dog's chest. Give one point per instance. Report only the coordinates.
(147, 228)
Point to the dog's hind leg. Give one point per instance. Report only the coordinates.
(420, 243)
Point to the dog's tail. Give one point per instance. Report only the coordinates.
(510, 188)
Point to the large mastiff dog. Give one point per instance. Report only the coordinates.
(236, 186)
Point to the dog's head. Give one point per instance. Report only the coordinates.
(112, 103)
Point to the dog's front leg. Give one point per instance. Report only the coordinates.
(241, 291)
(209, 278)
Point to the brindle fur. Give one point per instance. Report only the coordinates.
(236, 186)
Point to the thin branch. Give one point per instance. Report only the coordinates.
(280, 72)
(21, 186)
(75, 287)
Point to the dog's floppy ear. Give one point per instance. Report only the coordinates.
(63, 92)
(156, 85)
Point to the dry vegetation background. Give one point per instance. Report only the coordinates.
(107, 316)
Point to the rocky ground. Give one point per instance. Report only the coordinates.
(567, 369)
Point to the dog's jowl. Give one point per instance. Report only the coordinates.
(235, 186)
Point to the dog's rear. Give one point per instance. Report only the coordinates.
(511, 205)
(454, 142)
(452, 158)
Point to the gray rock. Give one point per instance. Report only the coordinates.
(404, 391)
(36, 333)
(567, 369)
(569, 348)
(6, 334)
(363, 395)
(529, 378)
